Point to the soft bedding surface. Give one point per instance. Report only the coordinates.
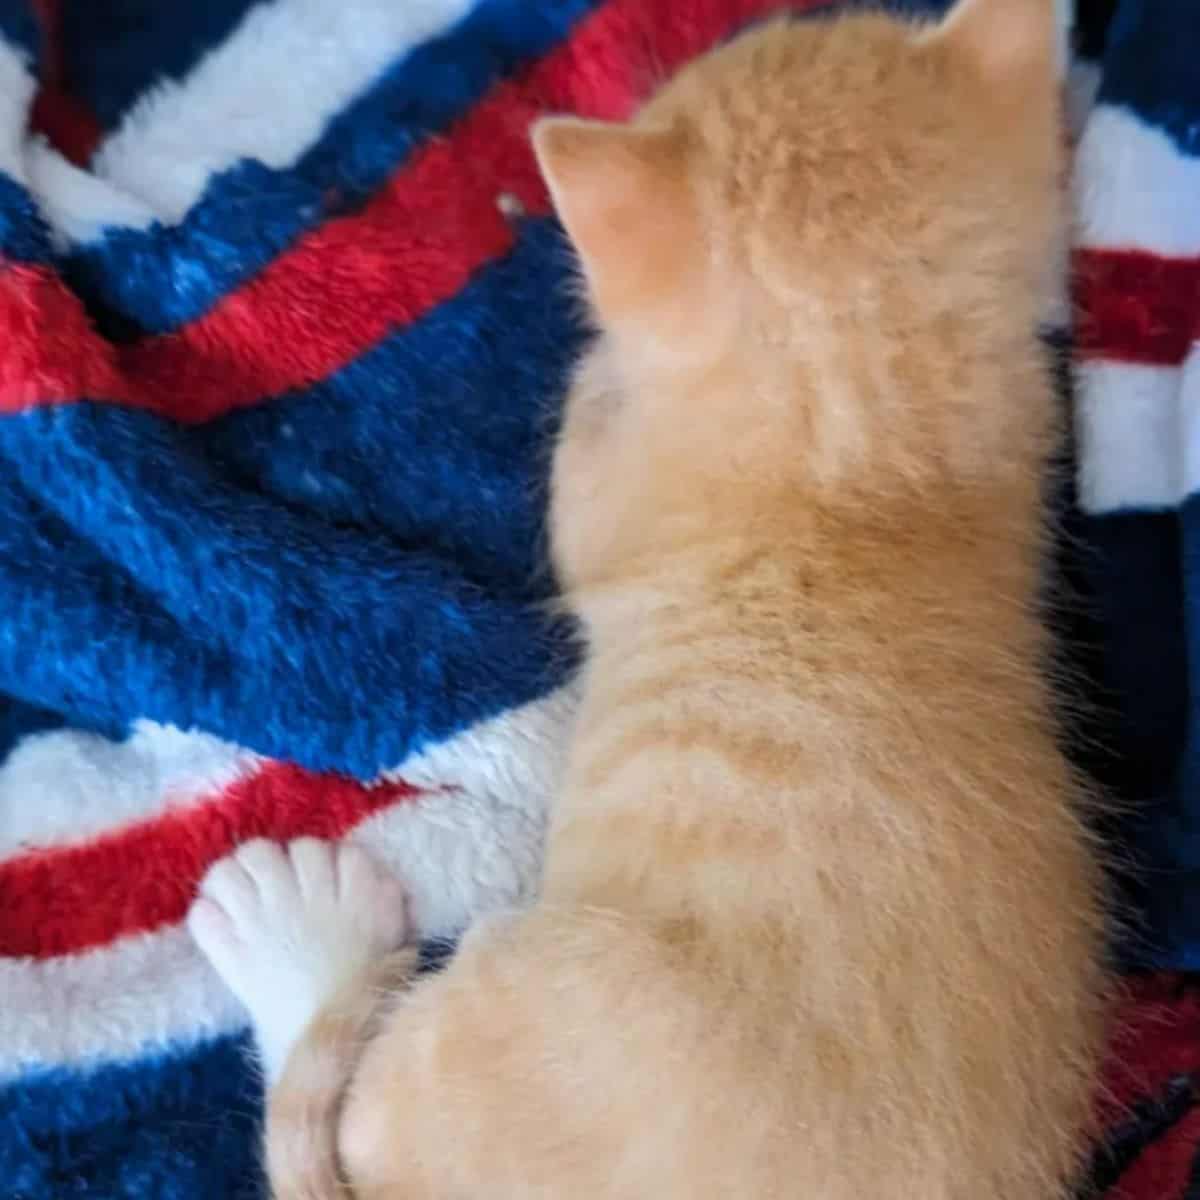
(283, 329)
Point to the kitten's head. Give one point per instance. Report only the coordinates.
(860, 170)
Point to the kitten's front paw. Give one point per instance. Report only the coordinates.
(287, 928)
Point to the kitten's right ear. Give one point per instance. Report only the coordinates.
(1011, 42)
(622, 194)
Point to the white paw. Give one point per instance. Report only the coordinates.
(286, 928)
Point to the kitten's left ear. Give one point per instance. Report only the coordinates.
(622, 194)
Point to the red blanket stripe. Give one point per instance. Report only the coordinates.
(70, 127)
(139, 878)
(1153, 1041)
(346, 285)
(1136, 307)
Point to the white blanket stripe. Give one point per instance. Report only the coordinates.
(66, 786)
(1131, 428)
(472, 846)
(265, 93)
(76, 206)
(1135, 190)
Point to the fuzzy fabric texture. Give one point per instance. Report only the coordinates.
(283, 325)
(1137, 427)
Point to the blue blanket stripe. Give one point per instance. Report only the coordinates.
(154, 280)
(19, 27)
(1135, 656)
(24, 236)
(177, 1126)
(1173, 832)
(18, 720)
(238, 577)
(113, 51)
(1157, 75)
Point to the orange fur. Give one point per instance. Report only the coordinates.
(819, 919)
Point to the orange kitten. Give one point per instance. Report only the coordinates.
(819, 919)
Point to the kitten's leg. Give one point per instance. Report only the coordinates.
(287, 929)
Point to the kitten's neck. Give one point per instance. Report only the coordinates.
(957, 399)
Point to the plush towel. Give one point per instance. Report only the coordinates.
(283, 331)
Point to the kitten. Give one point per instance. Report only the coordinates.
(819, 918)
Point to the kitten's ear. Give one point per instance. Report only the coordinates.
(622, 194)
(1008, 41)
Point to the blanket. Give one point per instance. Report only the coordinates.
(283, 332)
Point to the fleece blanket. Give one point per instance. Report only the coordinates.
(282, 335)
